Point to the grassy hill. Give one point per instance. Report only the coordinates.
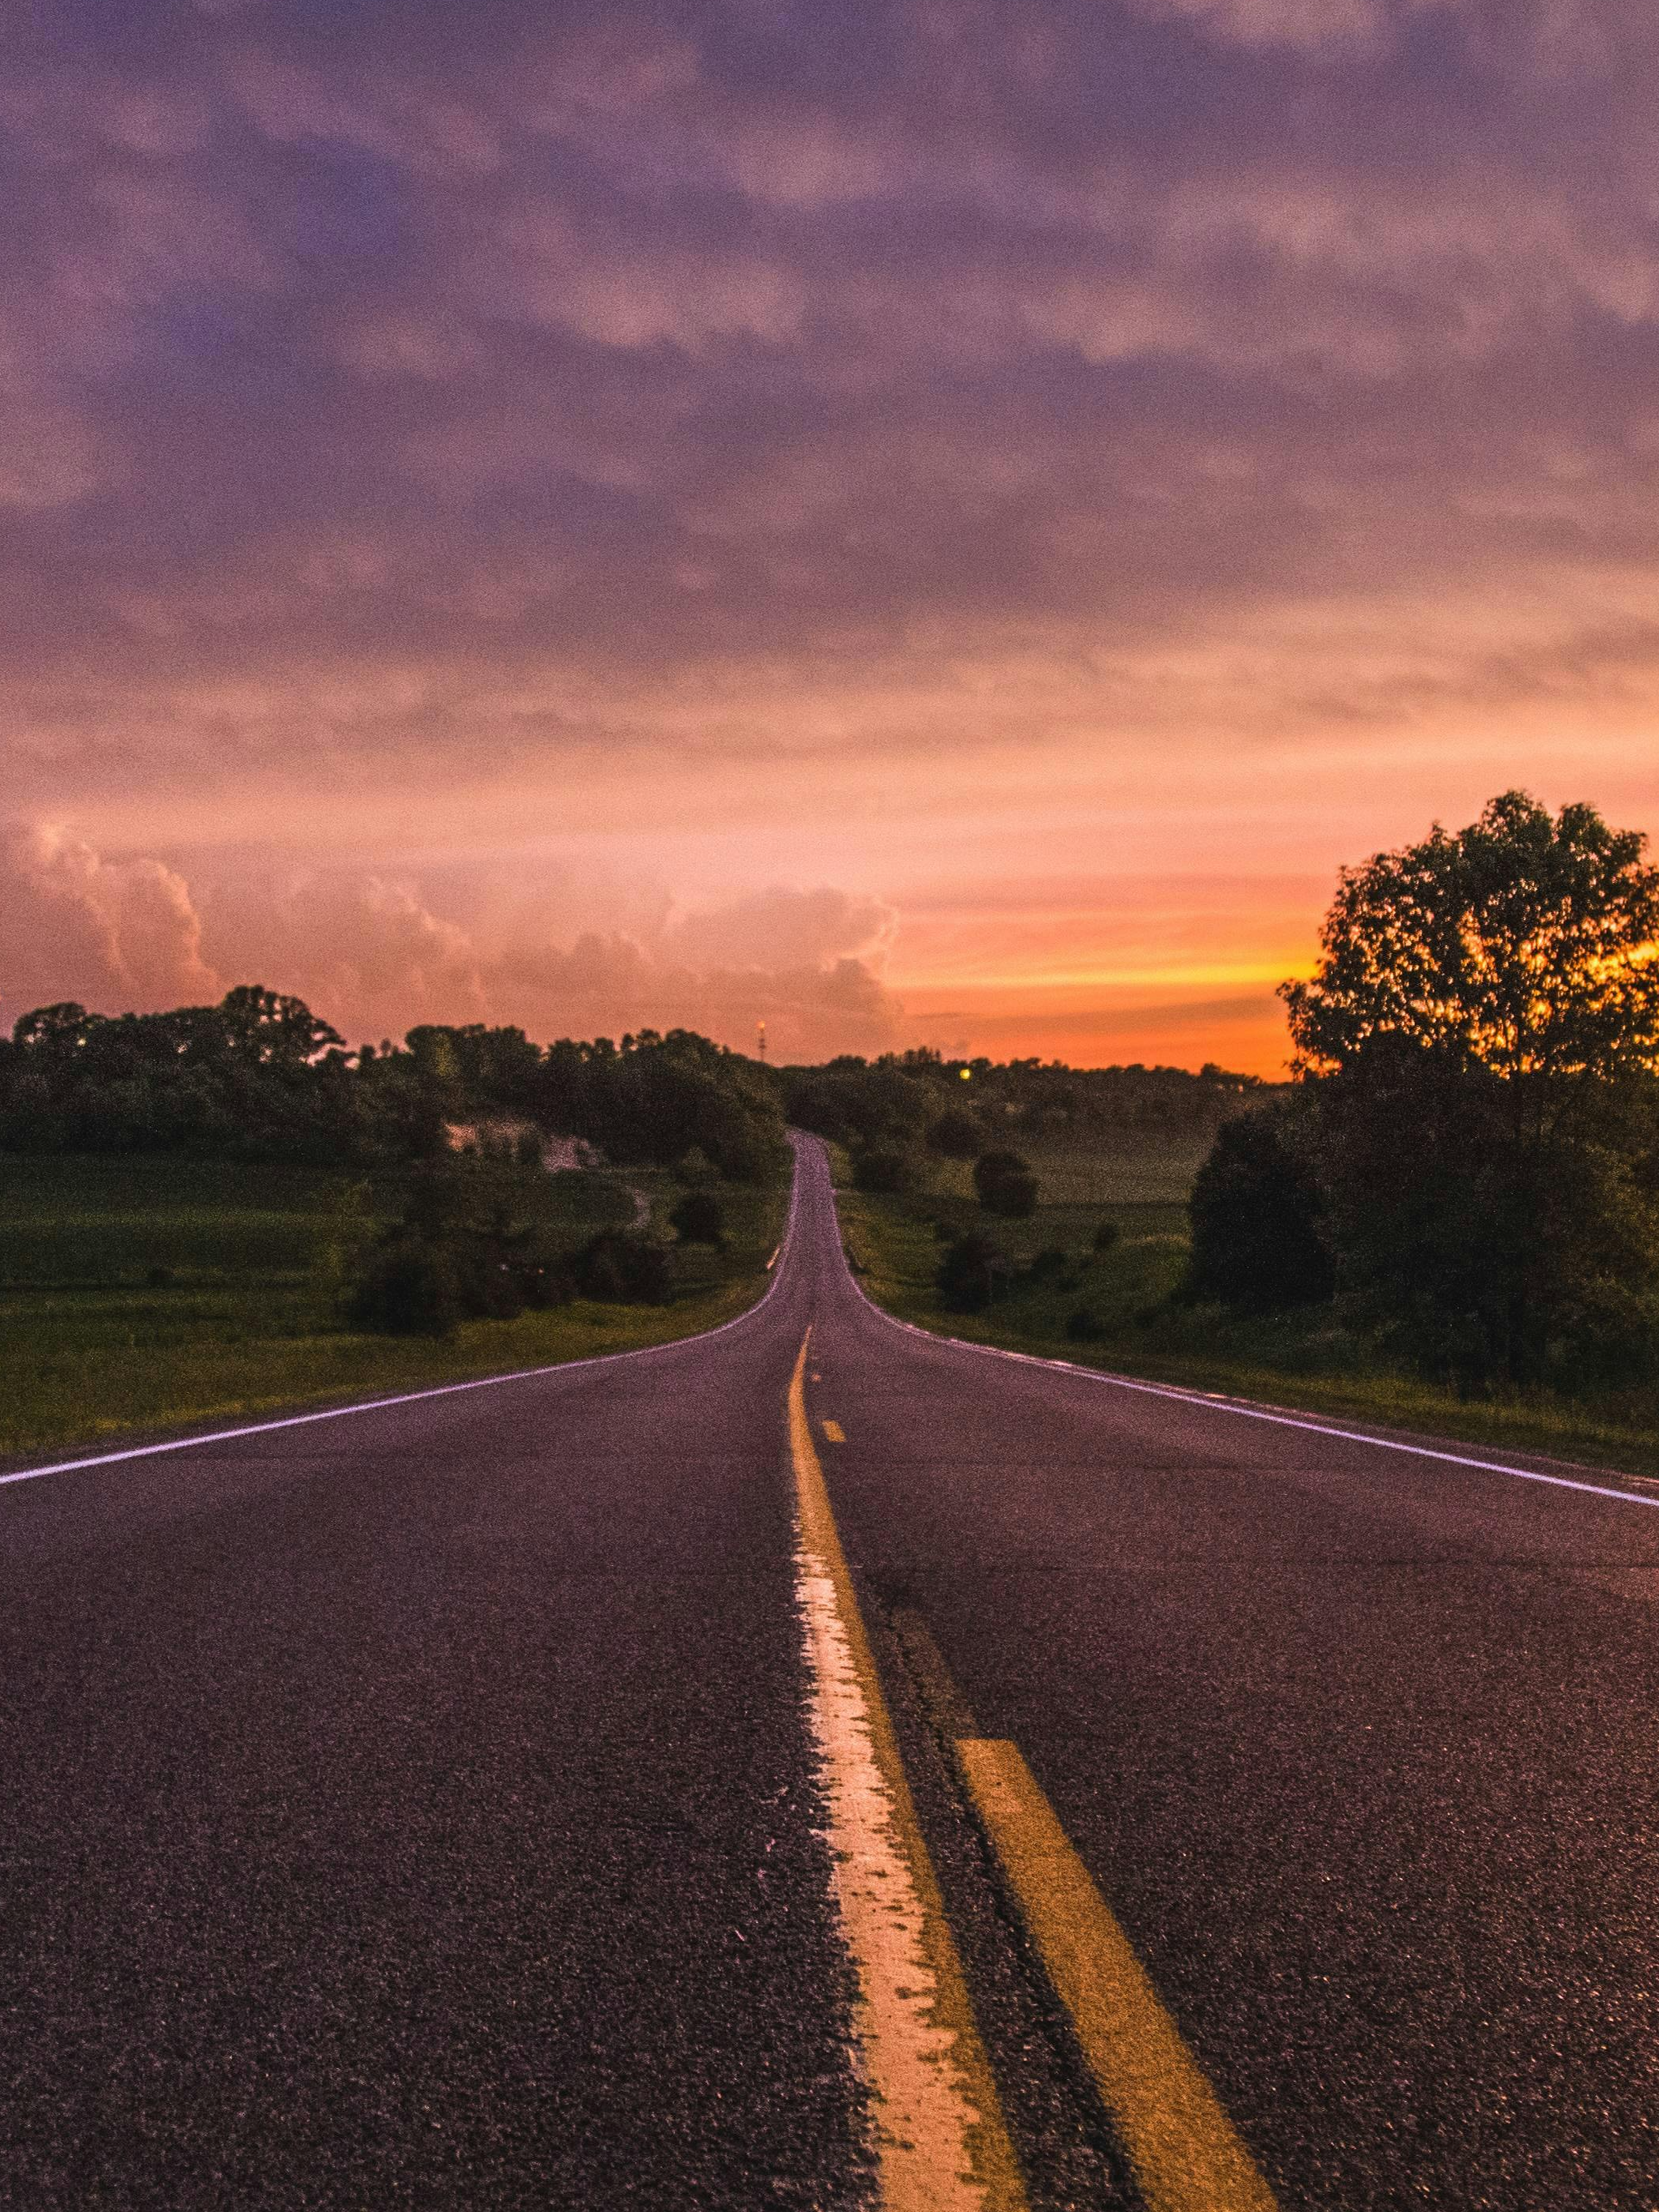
(141, 1292)
(1140, 1183)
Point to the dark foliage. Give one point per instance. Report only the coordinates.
(467, 1248)
(882, 1169)
(1107, 1235)
(1006, 1185)
(955, 1136)
(699, 1219)
(1506, 1249)
(912, 1098)
(972, 1273)
(622, 1268)
(655, 1099)
(1084, 1327)
(411, 1287)
(260, 1077)
(1049, 1265)
(1257, 1218)
(1483, 1121)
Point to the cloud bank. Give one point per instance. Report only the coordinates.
(375, 957)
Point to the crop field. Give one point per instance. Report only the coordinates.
(1112, 1309)
(139, 1292)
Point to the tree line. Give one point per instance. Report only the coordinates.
(893, 1112)
(1467, 1164)
(260, 1076)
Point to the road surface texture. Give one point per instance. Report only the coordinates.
(438, 1806)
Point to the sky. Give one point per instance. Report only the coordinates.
(918, 521)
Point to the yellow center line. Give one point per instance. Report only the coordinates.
(940, 2140)
(1183, 2148)
(836, 1433)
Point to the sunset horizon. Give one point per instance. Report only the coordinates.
(919, 527)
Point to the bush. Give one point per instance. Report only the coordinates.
(625, 1269)
(883, 1169)
(699, 1219)
(1256, 1215)
(1082, 1327)
(1013, 1196)
(954, 1136)
(990, 1167)
(1006, 1185)
(1107, 1235)
(412, 1288)
(971, 1273)
(1046, 1266)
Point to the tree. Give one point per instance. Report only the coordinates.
(955, 1135)
(699, 1219)
(1482, 1040)
(883, 1169)
(1524, 943)
(1257, 1214)
(273, 1028)
(1006, 1185)
(971, 1271)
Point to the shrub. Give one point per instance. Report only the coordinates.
(954, 1136)
(623, 1268)
(1256, 1217)
(1006, 1185)
(1107, 1235)
(1082, 1327)
(699, 1219)
(1013, 1196)
(991, 1167)
(411, 1287)
(1046, 1266)
(884, 1169)
(971, 1273)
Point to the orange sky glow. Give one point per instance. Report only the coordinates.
(917, 524)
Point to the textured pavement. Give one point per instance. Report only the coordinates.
(415, 1808)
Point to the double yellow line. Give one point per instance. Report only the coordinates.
(1184, 2152)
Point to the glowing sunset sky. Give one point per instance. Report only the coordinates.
(930, 523)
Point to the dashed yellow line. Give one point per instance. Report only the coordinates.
(1185, 2153)
(940, 2140)
(836, 1433)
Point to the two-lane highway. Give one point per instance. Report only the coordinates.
(493, 1799)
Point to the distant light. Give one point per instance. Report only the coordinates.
(966, 1072)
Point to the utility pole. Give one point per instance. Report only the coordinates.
(760, 1028)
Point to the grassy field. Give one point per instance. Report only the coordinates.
(146, 1293)
(1303, 1360)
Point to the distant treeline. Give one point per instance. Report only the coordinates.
(260, 1076)
(960, 1107)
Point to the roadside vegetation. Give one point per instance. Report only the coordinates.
(1450, 1222)
(214, 1214)
(138, 1293)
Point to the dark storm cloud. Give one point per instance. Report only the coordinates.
(451, 340)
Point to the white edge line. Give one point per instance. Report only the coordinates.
(413, 1397)
(1246, 1412)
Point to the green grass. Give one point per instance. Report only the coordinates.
(256, 1261)
(1304, 1360)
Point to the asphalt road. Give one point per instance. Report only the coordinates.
(419, 1808)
